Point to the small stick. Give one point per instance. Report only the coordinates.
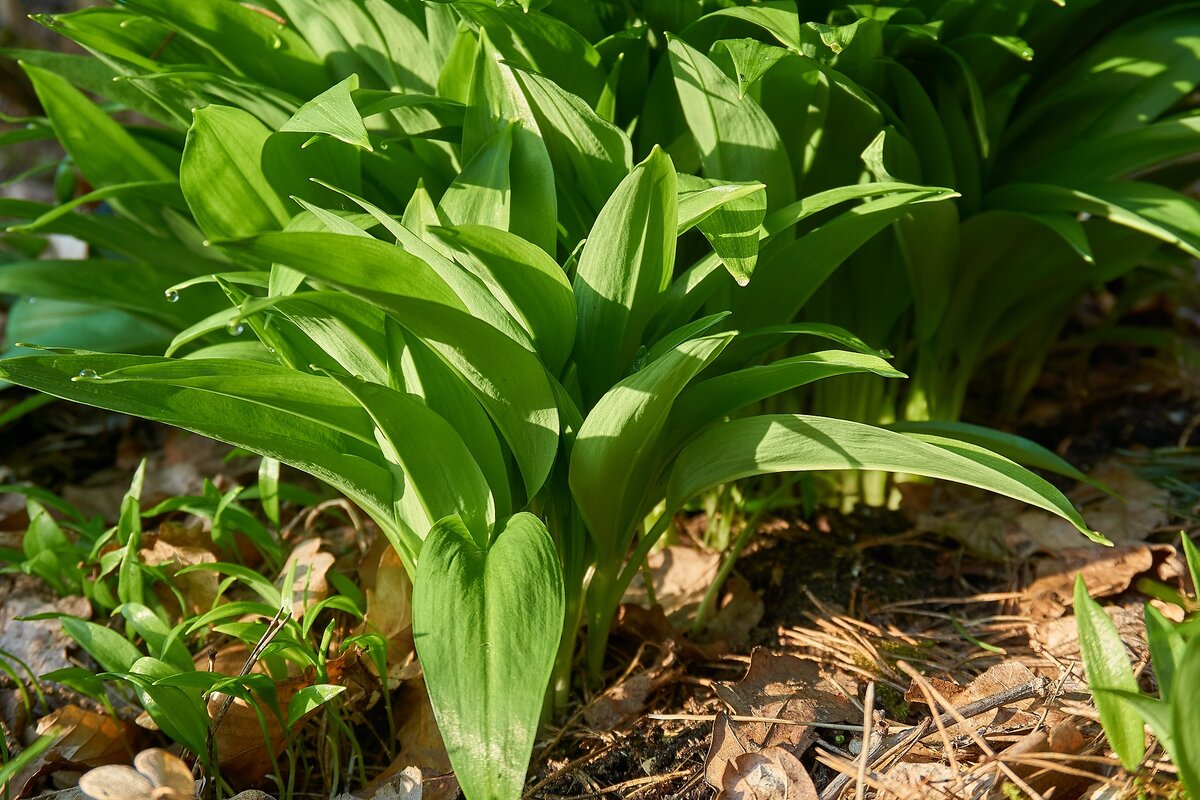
(1034, 688)
(833, 726)
(867, 727)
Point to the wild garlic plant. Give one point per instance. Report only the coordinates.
(475, 312)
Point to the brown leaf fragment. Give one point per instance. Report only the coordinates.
(681, 577)
(724, 748)
(308, 565)
(420, 743)
(741, 610)
(1060, 637)
(40, 644)
(389, 609)
(624, 700)
(996, 680)
(1108, 572)
(917, 780)
(155, 775)
(790, 687)
(650, 625)
(84, 739)
(246, 748)
(770, 774)
(199, 589)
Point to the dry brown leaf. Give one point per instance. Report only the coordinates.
(770, 774)
(624, 700)
(785, 687)
(199, 589)
(650, 625)
(916, 780)
(741, 610)
(389, 609)
(1063, 738)
(245, 752)
(681, 576)
(1060, 637)
(421, 747)
(41, 644)
(309, 585)
(725, 747)
(408, 784)
(155, 775)
(995, 680)
(1107, 572)
(85, 739)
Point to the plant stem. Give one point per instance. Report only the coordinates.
(714, 589)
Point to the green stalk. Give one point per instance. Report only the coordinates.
(714, 590)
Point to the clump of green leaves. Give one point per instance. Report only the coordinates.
(420, 261)
(1175, 658)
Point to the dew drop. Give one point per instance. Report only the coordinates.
(276, 42)
(87, 375)
(235, 328)
(30, 299)
(171, 295)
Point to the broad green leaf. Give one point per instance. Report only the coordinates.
(737, 140)
(729, 215)
(221, 175)
(1109, 158)
(487, 618)
(751, 60)
(613, 460)
(481, 194)
(1107, 667)
(180, 713)
(112, 651)
(1017, 448)
(308, 700)
(406, 47)
(104, 151)
(531, 286)
(332, 113)
(511, 382)
(157, 635)
(625, 266)
(439, 477)
(305, 421)
(797, 442)
(249, 41)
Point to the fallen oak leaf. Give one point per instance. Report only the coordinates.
(770, 774)
(84, 739)
(1107, 572)
(650, 625)
(725, 747)
(307, 566)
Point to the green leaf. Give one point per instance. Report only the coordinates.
(308, 700)
(104, 151)
(1166, 649)
(737, 141)
(796, 442)
(625, 266)
(487, 619)
(112, 651)
(157, 635)
(751, 60)
(613, 459)
(1107, 667)
(332, 113)
(221, 175)
(1017, 448)
(729, 215)
(1185, 722)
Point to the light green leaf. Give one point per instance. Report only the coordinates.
(112, 651)
(729, 215)
(797, 442)
(221, 175)
(1107, 667)
(487, 618)
(1166, 649)
(1185, 722)
(308, 700)
(613, 461)
(625, 266)
(332, 113)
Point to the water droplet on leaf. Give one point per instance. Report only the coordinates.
(87, 375)
(235, 328)
(171, 295)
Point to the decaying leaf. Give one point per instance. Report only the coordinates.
(155, 775)
(910, 780)
(421, 752)
(247, 747)
(1108, 572)
(308, 565)
(770, 774)
(388, 590)
(1060, 637)
(785, 687)
(199, 589)
(85, 739)
(41, 644)
(651, 625)
(681, 576)
(995, 680)
(740, 611)
(725, 747)
(625, 699)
